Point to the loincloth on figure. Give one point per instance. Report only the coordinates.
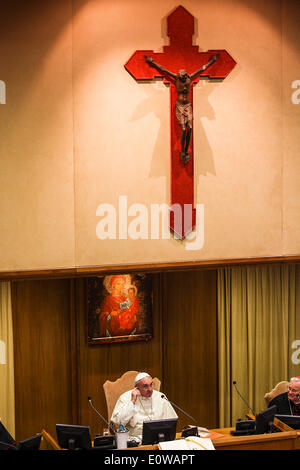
(184, 114)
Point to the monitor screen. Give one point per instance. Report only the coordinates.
(293, 421)
(264, 420)
(73, 437)
(7, 442)
(32, 443)
(159, 430)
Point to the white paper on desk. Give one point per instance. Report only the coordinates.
(199, 443)
(203, 433)
(178, 444)
(189, 443)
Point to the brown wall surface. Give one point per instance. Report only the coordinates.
(190, 344)
(99, 363)
(56, 370)
(42, 348)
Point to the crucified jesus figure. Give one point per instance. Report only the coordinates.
(183, 107)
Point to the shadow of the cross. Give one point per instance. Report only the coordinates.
(155, 102)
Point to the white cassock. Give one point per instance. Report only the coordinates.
(144, 409)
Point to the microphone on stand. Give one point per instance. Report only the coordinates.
(102, 417)
(189, 431)
(234, 383)
(246, 427)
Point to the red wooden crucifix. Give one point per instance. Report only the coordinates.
(181, 65)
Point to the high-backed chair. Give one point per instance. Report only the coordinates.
(113, 390)
(281, 387)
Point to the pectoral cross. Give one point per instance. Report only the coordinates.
(181, 65)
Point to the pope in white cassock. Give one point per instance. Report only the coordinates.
(141, 404)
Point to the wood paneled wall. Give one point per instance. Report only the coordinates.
(190, 345)
(56, 370)
(98, 363)
(42, 350)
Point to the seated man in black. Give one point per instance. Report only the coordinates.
(288, 403)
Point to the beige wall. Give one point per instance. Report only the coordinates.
(36, 144)
(78, 131)
(290, 131)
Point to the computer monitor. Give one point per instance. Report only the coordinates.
(293, 421)
(74, 437)
(264, 420)
(31, 443)
(159, 430)
(7, 442)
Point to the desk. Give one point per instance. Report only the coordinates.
(286, 440)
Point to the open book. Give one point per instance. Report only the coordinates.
(189, 443)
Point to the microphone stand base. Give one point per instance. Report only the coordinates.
(189, 431)
(105, 442)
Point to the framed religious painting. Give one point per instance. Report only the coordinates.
(119, 308)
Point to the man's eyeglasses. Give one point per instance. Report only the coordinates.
(146, 386)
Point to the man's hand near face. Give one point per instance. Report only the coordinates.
(134, 394)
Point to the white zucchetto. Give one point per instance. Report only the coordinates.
(141, 376)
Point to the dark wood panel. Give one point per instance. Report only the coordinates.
(98, 363)
(190, 345)
(43, 386)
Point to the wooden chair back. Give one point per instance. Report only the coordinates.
(281, 387)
